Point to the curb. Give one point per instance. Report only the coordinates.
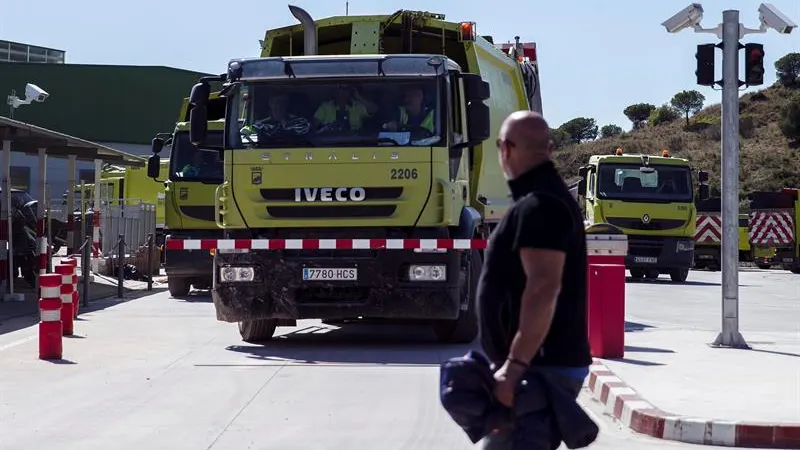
(626, 405)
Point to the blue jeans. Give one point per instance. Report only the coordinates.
(535, 429)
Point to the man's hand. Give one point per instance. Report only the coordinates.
(507, 378)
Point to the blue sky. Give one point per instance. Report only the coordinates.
(595, 57)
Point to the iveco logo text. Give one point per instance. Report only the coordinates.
(327, 194)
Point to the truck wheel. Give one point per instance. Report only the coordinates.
(763, 266)
(464, 330)
(637, 274)
(679, 275)
(255, 331)
(178, 287)
(796, 268)
(651, 274)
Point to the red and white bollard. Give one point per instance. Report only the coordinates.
(67, 313)
(72, 262)
(606, 248)
(50, 328)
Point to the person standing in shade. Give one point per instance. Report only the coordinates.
(532, 291)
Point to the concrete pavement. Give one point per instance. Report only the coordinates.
(682, 389)
(157, 372)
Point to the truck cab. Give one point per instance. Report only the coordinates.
(651, 199)
(190, 179)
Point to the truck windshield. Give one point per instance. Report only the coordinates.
(659, 182)
(341, 113)
(188, 163)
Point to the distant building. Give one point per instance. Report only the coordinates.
(17, 52)
(122, 107)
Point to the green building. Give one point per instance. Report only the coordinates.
(122, 107)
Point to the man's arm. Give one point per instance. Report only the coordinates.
(544, 228)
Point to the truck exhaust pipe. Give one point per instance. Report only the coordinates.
(309, 29)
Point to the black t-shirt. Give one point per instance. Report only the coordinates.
(546, 216)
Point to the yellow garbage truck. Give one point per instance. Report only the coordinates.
(190, 179)
(361, 174)
(651, 199)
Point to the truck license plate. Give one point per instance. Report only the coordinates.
(645, 259)
(321, 274)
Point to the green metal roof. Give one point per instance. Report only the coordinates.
(126, 104)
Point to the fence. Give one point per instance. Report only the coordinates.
(131, 218)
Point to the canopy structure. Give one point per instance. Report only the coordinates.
(27, 138)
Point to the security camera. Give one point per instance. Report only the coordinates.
(687, 17)
(772, 18)
(35, 93)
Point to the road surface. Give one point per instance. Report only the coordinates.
(161, 373)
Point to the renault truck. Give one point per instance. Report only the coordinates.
(651, 199)
(378, 210)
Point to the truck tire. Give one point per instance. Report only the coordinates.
(637, 274)
(178, 287)
(255, 331)
(651, 274)
(796, 268)
(679, 275)
(464, 329)
(763, 266)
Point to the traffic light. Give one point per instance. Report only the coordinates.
(754, 64)
(705, 64)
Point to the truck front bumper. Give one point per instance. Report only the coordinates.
(382, 288)
(659, 253)
(194, 264)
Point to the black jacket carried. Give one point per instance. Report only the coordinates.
(466, 392)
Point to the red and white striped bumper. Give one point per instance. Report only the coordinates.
(326, 244)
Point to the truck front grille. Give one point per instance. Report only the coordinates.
(332, 211)
(653, 225)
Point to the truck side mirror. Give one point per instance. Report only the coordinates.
(583, 171)
(198, 124)
(475, 89)
(153, 166)
(478, 122)
(200, 93)
(703, 191)
(158, 145)
(702, 176)
(582, 187)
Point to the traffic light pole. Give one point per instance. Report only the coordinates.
(730, 335)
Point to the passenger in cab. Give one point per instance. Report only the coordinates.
(280, 122)
(347, 111)
(414, 115)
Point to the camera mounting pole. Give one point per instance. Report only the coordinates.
(730, 31)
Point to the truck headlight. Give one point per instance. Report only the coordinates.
(685, 246)
(236, 274)
(427, 273)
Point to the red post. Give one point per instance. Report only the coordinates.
(72, 262)
(67, 313)
(50, 329)
(606, 294)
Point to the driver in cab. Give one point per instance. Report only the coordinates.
(280, 121)
(413, 116)
(346, 111)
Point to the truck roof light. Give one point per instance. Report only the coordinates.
(467, 31)
(665, 153)
(618, 152)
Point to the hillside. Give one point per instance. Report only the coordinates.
(767, 161)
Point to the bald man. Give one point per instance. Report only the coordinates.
(532, 292)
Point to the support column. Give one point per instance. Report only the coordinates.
(5, 223)
(5, 272)
(72, 168)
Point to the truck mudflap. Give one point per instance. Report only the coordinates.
(379, 288)
(661, 253)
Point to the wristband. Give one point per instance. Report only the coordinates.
(518, 362)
